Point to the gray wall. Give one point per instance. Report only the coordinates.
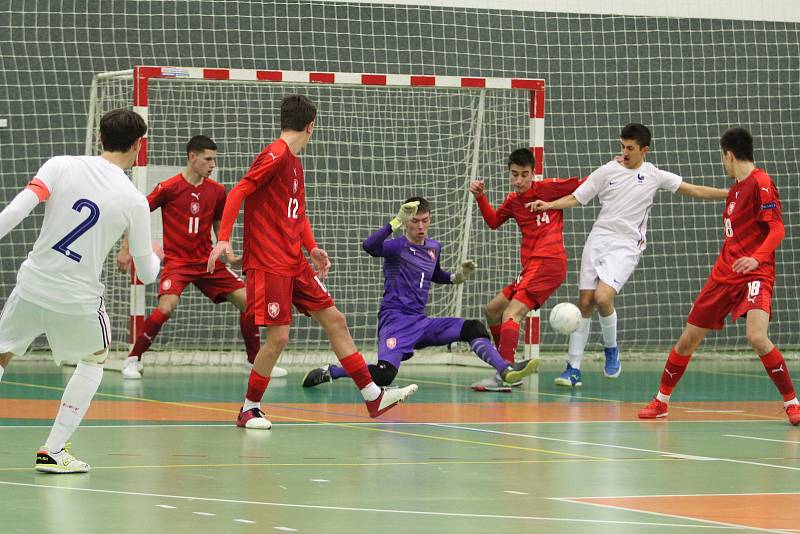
(687, 78)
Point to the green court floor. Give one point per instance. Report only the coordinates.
(166, 456)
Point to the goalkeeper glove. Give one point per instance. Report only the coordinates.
(407, 211)
(463, 272)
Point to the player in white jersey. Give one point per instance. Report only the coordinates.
(90, 203)
(626, 188)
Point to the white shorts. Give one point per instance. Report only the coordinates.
(609, 261)
(71, 337)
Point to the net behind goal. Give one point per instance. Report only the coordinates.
(378, 140)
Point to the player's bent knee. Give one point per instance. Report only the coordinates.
(383, 373)
(97, 359)
(473, 329)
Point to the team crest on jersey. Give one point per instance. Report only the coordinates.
(295, 185)
(166, 284)
(194, 207)
(391, 342)
(639, 178)
(273, 309)
(730, 207)
(432, 254)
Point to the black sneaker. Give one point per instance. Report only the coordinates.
(317, 376)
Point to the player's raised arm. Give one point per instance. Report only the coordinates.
(22, 204)
(702, 191)
(375, 244)
(494, 219)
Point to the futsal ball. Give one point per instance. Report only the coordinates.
(565, 318)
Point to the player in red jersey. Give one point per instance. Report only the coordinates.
(742, 278)
(278, 275)
(544, 260)
(191, 205)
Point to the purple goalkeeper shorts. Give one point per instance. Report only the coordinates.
(400, 335)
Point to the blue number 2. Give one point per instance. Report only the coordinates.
(94, 214)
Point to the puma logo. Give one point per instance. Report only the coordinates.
(671, 375)
(778, 370)
(765, 189)
(274, 157)
(196, 195)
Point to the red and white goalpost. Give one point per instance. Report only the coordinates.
(379, 139)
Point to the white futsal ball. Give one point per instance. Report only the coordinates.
(565, 318)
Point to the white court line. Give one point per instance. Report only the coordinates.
(621, 447)
(761, 439)
(711, 524)
(351, 509)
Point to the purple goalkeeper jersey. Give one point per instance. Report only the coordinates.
(408, 271)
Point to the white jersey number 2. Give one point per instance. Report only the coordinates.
(94, 214)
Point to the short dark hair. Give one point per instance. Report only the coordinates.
(296, 112)
(739, 142)
(200, 143)
(522, 157)
(120, 128)
(424, 205)
(637, 132)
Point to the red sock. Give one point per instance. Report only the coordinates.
(673, 371)
(495, 330)
(776, 369)
(357, 368)
(256, 386)
(250, 335)
(152, 326)
(509, 339)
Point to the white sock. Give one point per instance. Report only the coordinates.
(663, 398)
(790, 402)
(2, 370)
(249, 405)
(76, 399)
(133, 359)
(577, 343)
(371, 392)
(608, 325)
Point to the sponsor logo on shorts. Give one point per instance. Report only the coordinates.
(273, 309)
(194, 207)
(391, 342)
(730, 207)
(166, 284)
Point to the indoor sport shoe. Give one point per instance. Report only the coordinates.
(253, 418)
(520, 370)
(317, 376)
(61, 462)
(132, 370)
(389, 398)
(571, 377)
(793, 412)
(657, 409)
(277, 372)
(613, 367)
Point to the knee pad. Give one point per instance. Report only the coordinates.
(383, 373)
(96, 360)
(473, 329)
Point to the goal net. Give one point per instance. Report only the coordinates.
(378, 140)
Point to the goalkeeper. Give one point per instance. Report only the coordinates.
(411, 264)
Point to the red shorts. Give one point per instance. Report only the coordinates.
(216, 286)
(537, 281)
(717, 300)
(270, 296)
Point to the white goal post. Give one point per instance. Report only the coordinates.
(379, 139)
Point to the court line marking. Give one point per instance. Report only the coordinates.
(761, 439)
(742, 494)
(711, 523)
(357, 509)
(622, 447)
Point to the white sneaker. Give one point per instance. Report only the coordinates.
(388, 398)
(253, 418)
(495, 384)
(277, 372)
(132, 370)
(61, 462)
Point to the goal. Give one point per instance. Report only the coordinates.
(379, 138)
